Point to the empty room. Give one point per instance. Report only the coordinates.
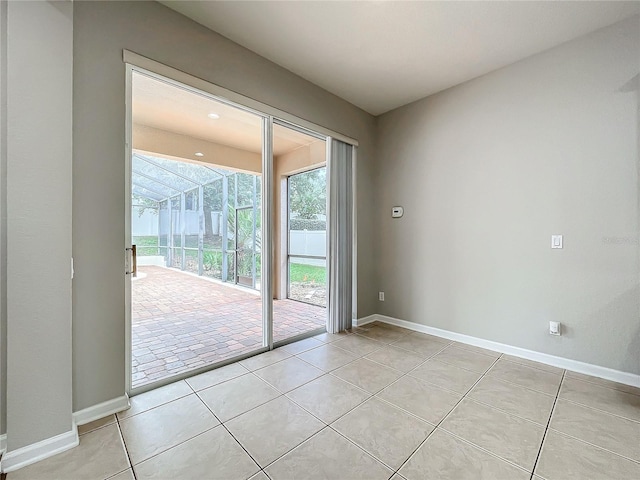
(268, 240)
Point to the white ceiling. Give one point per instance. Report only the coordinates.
(380, 55)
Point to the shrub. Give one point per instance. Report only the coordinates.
(306, 224)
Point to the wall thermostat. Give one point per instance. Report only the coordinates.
(397, 212)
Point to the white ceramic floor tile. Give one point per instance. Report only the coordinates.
(259, 476)
(446, 376)
(427, 401)
(301, 346)
(514, 399)
(420, 344)
(288, 374)
(368, 375)
(328, 397)
(617, 434)
(213, 455)
(327, 357)
(159, 396)
(445, 457)
(509, 437)
(331, 337)
(328, 456)
(238, 395)
(604, 383)
(609, 400)
(531, 363)
(214, 377)
(272, 429)
(384, 335)
(565, 458)
(465, 358)
(473, 348)
(126, 475)
(525, 376)
(163, 427)
(102, 422)
(100, 454)
(264, 359)
(386, 432)
(396, 358)
(358, 345)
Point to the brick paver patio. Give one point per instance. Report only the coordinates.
(181, 322)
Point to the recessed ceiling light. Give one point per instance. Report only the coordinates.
(199, 154)
(213, 116)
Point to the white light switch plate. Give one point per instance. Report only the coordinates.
(556, 241)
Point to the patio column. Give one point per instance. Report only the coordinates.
(200, 228)
(182, 224)
(255, 212)
(225, 220)
(170, 239)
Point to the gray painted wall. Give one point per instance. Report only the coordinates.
(39, 128)
(101, 31)
(488, 170)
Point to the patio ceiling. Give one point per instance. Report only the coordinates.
(166, 107)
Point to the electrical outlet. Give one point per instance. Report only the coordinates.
(555, 328)
(381, 296)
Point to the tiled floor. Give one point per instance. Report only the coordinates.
(181, 322)
(377, 403)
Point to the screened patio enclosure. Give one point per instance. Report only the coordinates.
(197, 218)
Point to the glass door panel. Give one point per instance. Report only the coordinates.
(300, 278)
(196, 176)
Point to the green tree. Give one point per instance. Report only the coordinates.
(143, 204)
(308, 193)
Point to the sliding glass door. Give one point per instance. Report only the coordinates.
(195, 232)
(227, 231)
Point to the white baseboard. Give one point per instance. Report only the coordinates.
(35, 452)
(363, 321)
(24, 456)
(101, 410)
(560, 362)
(3, 443)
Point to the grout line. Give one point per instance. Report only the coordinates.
(325, 425)
(485, 450)
(546, 430)
(393, 470)
(381, 345)
(154, 407)
(594, 445)
(511, 414)
(522, 364)
(498, 379)
(524, 386)
(599, 385)
(120, 472)
(447, 415)
(169, 448)
(229, 432)
(126, 450)
(610, 387)
(369, 396)
(600, 410)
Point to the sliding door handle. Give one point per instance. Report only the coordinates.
(131, 261)
(134, 256)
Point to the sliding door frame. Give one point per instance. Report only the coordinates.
(270, 116)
